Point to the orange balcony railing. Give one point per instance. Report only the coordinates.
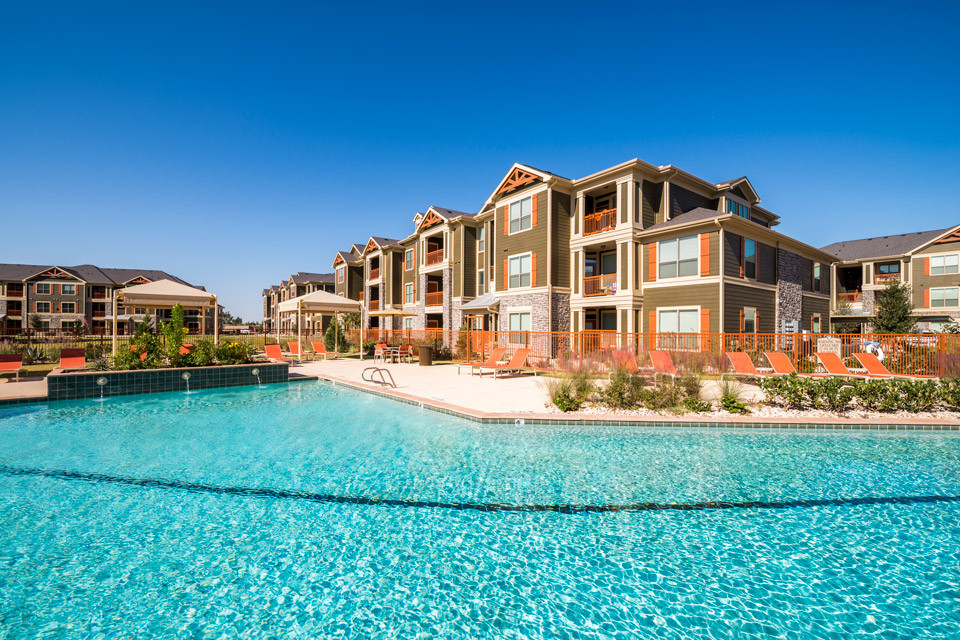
(604, 285)
(854, 297)
(14, 293)
(886, 278)
(374, 273)
(435, 257)
(374, 305)
(434, 298)
(599, 221)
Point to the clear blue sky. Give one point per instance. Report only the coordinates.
(234, 144)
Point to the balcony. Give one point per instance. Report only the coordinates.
(434, 298)
(603, 285)
(855, 297)
(374, 305)
(375, 274)
(434, 257)
(14, 292)
(884, 279)
(600, 221)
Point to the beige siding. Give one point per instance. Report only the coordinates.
(736, 297)
(533, 240)
(561, 239)
(706, 296)
(922, 282)
(815, 305)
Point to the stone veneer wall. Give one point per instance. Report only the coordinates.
(75, 386)
(868, 299)
(537, 304)
(789, 288)
(561, 311)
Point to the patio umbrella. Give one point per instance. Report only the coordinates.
(319, 302)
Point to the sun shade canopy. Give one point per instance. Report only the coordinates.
(319, 302)
(165, 293)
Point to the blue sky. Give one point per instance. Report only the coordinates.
(233, 144)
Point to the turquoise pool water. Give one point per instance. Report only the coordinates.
(309, 511)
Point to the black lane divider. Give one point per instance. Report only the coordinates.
(282, 494)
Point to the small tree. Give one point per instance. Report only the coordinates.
(36, 323)
(173, 334)
(894, 309)
(333, 337)
(844, 310)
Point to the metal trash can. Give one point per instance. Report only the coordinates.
(426, 356)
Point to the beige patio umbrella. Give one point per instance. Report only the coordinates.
(320, 302)
(166, 294)
(385, 313)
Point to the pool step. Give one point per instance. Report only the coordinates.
(377, 375)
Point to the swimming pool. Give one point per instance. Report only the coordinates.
(308, 510)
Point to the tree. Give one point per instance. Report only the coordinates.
(173, 334)
(893, 309)
(351, 320)
(844, 310)
(36, 322)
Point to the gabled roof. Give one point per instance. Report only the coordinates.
(883, 246)
(345, 256)
(301, 277)
(377, 242)
(518, 176)
(86, 272)
(744, 185)
(694, 215)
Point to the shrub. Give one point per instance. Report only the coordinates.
(334, 336)
(101, 363)
(624, 390)
(127, 359)
(34, 355)
(203, 353)
(731, 396)
(173, 333)
(950, 391)
(234, 352)
(94, 351)
(730, 404)
(571, 389)
(697, 405)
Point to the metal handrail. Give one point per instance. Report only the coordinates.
(380, 371)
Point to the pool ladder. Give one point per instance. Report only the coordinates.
(377, 371)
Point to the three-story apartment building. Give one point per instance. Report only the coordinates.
(298, 284)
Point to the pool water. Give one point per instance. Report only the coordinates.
(309, 511)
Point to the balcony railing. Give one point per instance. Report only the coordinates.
(885, 278)
(599, 221)
(603, 285)
(374, 273)
(434, 298)
(98, 295)
(854, 297)
(14, 293)
(435, 257)
(374, 305)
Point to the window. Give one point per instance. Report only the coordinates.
(43, 288)
(816, 277)
(481, 239)
(816, 323)
(408, 293)
(481, 283)
(408, 260)
(68, 289)
(43, 307)
(738, 209)
(945, 297)
(140, 310)
(890, 267)
(340, 271)
(679, 257)
(68, 307)
(519, 322)
(941, 265)
(678, 320)
(520, 271)
(521, 215)
(408, 324)
(749, 320)
(749, 266)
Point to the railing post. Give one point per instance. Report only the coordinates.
(940, 341)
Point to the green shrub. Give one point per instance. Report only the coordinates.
(571, 389)
(334, 337)
(173, 334)
(203, 354)
(126, 360)
(950, 392)
(731, 396)
(696, 405)
(624, 390)
(234, 352)
(730, 404)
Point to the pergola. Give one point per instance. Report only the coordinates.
(166, 294)
(320, 302)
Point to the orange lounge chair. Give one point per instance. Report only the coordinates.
(185, 349)
(782, 365)
(518, 363)
(662, 363)
(318, 349)
(495, 356)
(274, 353)
(625, 360)
(11, 362)
(73, 359)
(743, 365)
(294, 349)
(875, 368)
(835, 367)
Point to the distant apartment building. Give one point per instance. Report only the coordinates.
(299, 284)
(58, 297)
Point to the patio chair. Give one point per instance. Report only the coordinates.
(662, 363)
(186, 348)
(380, 351)
(625, 360)
(319, 349)
(783, 366)
(517, 364)
(294, 349)
(11, 362)
(274, 353)
(406, 351)
(495, 357)
(835, 367)
(876, 368)
(743, 365)
(73, 359)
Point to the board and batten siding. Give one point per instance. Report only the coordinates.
(922, 280)
(705, 296)
(811, 306)
(561, 239)
(683, 200)
(652, 194)
(713, 260)
(468, 262)
(532, 240)
(738, 296)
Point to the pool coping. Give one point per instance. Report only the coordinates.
(634, 421)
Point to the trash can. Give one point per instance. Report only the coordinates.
(426, 356)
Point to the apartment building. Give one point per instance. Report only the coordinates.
(928, 261)
(298, 284)
(63, 296)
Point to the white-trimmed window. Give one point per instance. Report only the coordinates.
(817, 283)
(340, 274)
(520, 269)
(942, 265)
(43, 288)
(944, 296)
(521, 215)
(749, 320)
(68, 289)
(68, 307)
(408, 324)
(408, 260)
(43, 307)
(408, 293)
(481, 238)
(816, 323)
(481, 282)
(518, 323)
(679, 257)
(678, 320)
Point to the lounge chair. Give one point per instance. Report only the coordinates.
(274, 353)
(73, 359)
(626, 360)
(835, 367)
(875, 368)
(294, 349)
(11, 362)
(495, 357)
(743, 365)
(662, 363)
(186, 348)
(784, 367)
(319, 349)
(517, 364)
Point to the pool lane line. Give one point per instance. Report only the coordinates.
(283, 494)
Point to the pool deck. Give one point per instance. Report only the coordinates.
(25, 388)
